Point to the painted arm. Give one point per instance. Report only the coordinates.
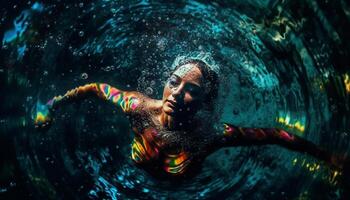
(127, 101)
(239, 136)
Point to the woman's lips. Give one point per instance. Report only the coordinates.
(171, 103)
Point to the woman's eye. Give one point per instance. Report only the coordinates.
(173, 81)
(193, 91)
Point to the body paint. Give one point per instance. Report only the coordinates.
(126, 102)
(176, 163)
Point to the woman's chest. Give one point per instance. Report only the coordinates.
(151, 148)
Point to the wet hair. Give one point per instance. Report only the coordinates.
(211, 82)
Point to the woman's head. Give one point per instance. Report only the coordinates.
(191, 86)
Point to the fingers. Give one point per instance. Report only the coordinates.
(228, 129)
(42, 117)
(42, 121)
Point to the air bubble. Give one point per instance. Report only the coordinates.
(81, 33)
(107, 69)
(149, 91)
(84, 75)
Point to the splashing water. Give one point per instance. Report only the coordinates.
(282, 64)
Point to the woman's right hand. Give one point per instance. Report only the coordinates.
(42, 117)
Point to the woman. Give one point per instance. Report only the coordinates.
(169, 139)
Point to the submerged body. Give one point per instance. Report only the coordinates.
(169, 141)
(155, 148)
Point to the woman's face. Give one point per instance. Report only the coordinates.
(183, 92)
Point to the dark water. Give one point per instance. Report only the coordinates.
(282, 64)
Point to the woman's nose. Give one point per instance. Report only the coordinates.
(178, 92)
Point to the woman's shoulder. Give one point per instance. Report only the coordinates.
(144, 102)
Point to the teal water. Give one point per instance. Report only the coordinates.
(282, 64)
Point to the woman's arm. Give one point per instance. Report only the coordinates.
(239, 136)
(127, 101)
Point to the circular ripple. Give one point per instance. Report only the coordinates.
(281, 65)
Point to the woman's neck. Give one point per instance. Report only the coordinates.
(173, 123)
